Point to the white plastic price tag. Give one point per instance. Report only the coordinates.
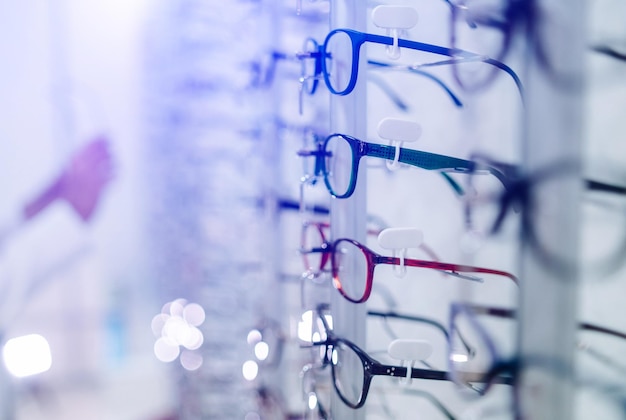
(394, 19)
(399, 240)
(398, 131)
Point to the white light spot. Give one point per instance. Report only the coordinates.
(250, 369)
(191, 360)
(459, 358)
(305, 326)
(261, 350)
(176, 329)
(166, 350)
(158, 322)
(27, 355)
(254, 336)
(177, 307)
(194, 314)
(194, 339)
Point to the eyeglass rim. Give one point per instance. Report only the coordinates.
(456, 309)
(316, 55)
(319, 227)
(354, 159)
(502, 52)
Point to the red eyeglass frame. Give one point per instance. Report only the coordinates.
(374, 259)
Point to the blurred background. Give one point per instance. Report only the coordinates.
(149, 177)
(125, 204)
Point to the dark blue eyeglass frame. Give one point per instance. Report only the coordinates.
(507, 369)
(359, 38)
(518, 198)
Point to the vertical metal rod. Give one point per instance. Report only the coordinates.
(348, 115)
(554, 131)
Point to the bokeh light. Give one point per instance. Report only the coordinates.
(176, 327)
(250, 369)
(27, 355)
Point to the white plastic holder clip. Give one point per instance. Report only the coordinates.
(398, 132)
(409, 351)
(394, 19)
(399, 240)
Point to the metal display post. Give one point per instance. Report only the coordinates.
(348, 115)
(554, 131)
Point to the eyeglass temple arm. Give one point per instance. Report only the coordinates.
(510, 171)
(609, 51)
(401, 372)
(429, 321)
(455, 99)
(432, 162)
(447, 267)
(605, 187)
(448, 52)
(289, 204)
(432, 399)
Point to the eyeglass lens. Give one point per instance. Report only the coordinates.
(348, 373)
(350, 269)
(491, 340)
(478, 26)
(312, 242)
(339, 172)
(338, 55)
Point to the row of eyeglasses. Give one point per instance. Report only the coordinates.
(492, 194)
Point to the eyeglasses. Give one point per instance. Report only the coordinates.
(312, 58)
(316, 400)
(313, 236)
(488, 26)
(341, 51)
(353, 267)
(337, 159)
(602, 215)
(353, 369)
(488, 359)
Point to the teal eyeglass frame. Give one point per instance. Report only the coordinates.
(359, 38)
(417, 158)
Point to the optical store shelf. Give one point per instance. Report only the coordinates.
(484, 140)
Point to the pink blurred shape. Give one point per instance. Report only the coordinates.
(81, 182)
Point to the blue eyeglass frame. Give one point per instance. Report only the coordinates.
(359, 38)
(316, 51)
